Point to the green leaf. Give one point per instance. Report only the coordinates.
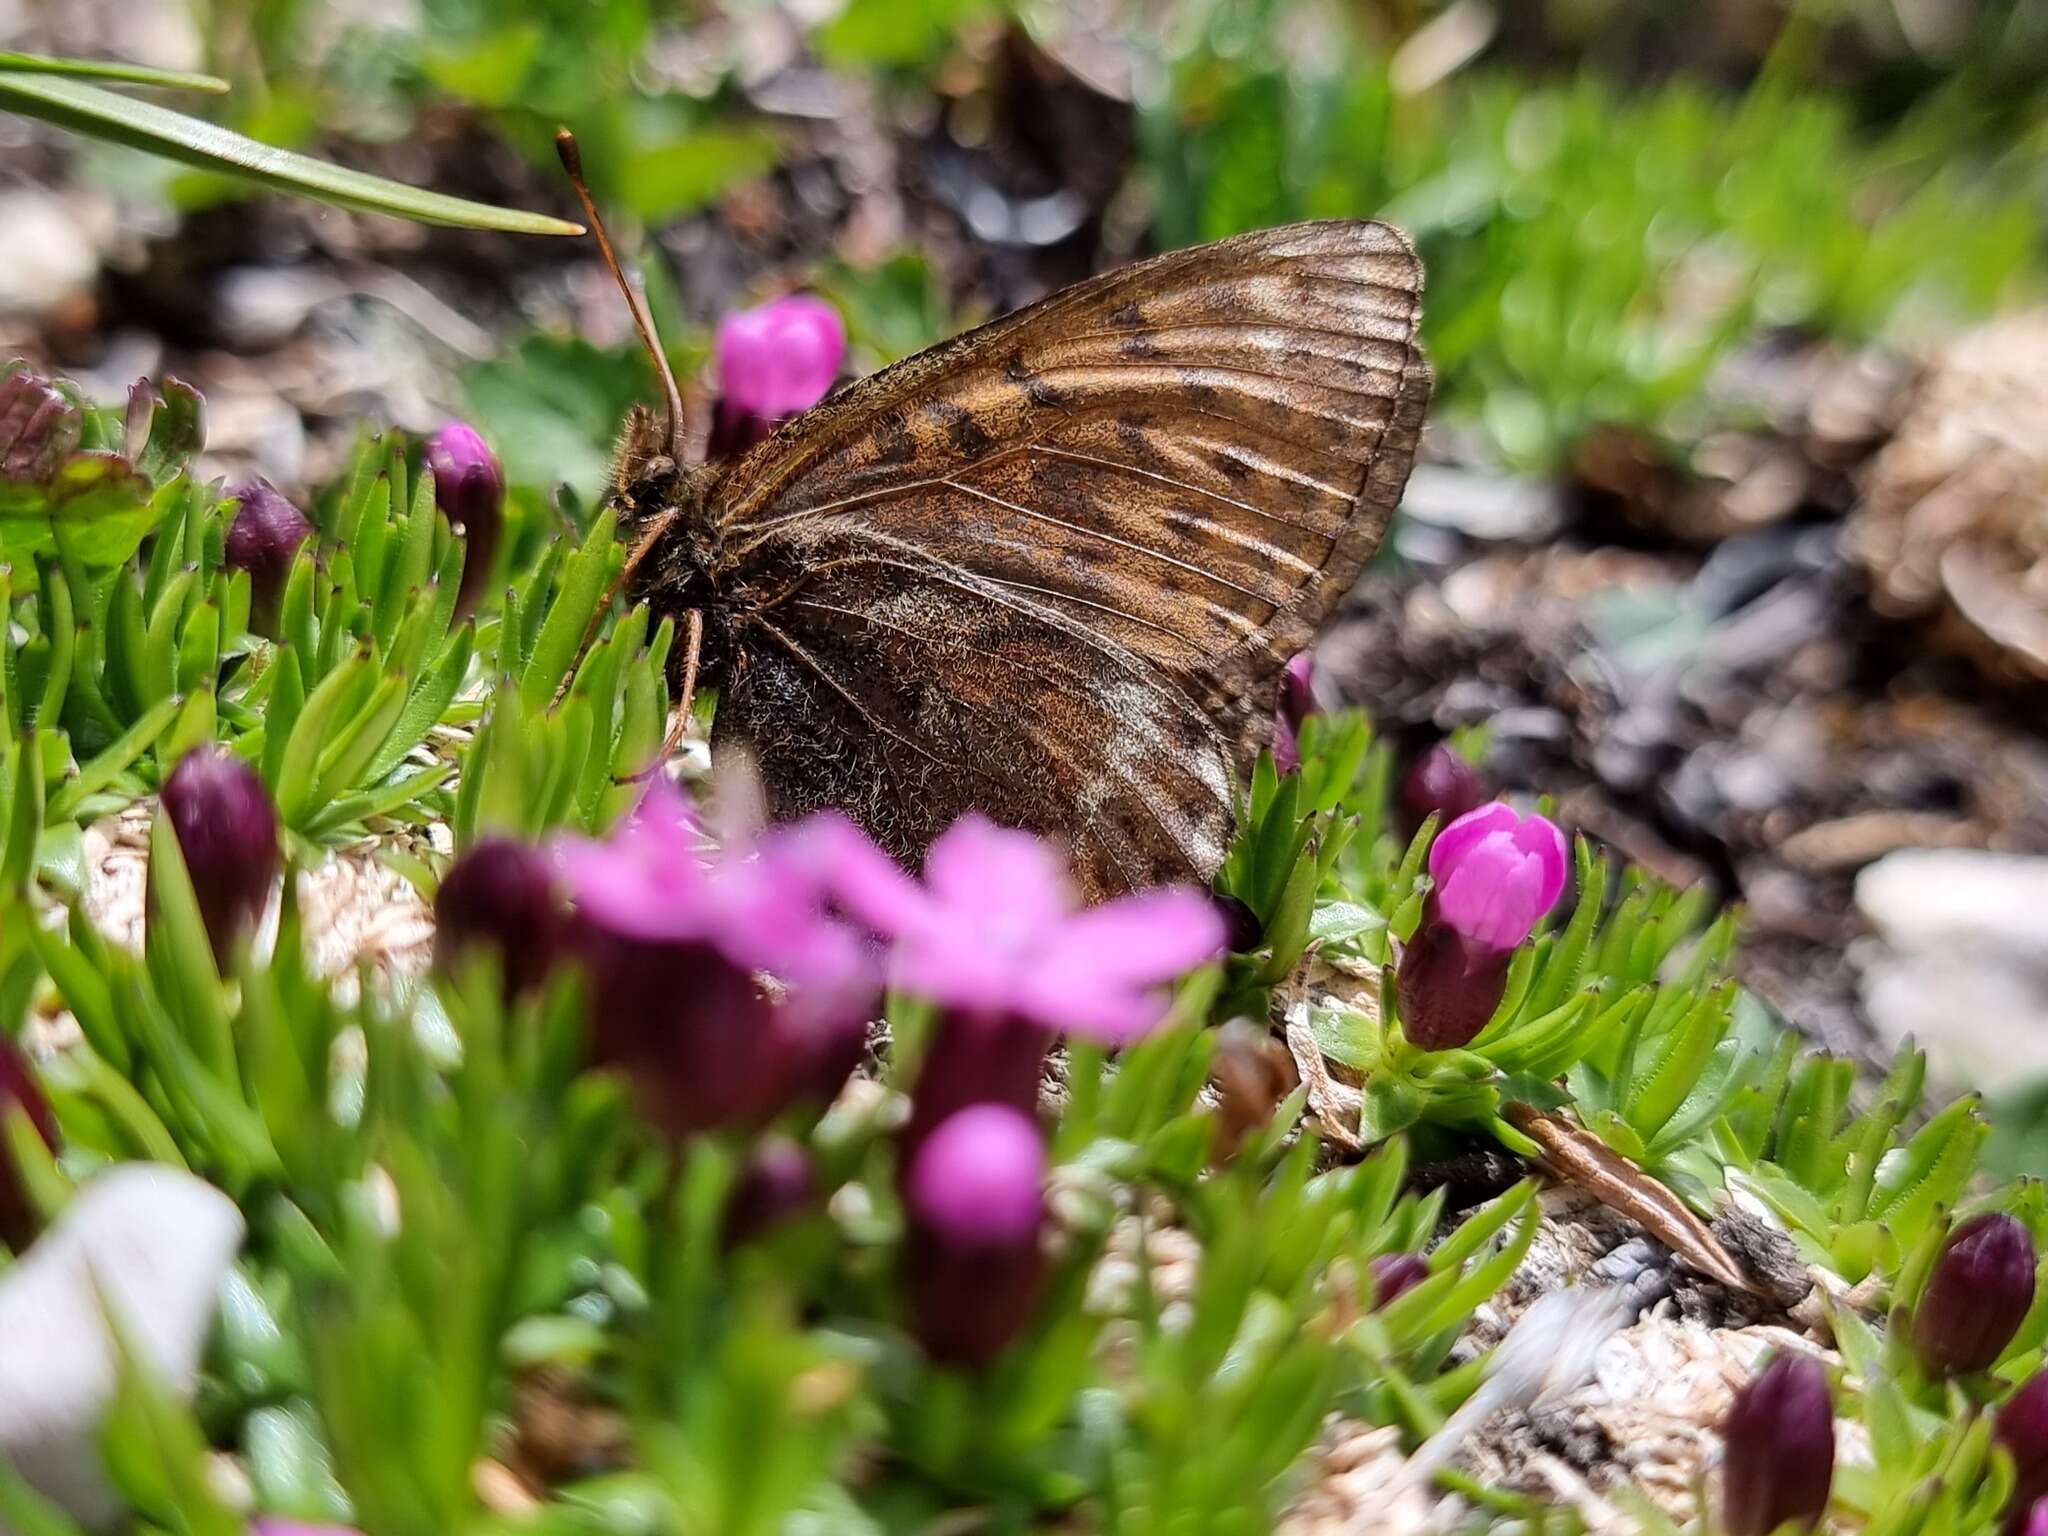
(95, 504)
(583, 583)
(104, 114)
(107, 69)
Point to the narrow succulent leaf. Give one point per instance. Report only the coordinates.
(113, 760)
(180, 957)
(104, 114)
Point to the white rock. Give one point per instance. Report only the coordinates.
(152, 1245)
(1961, 960)
(46, 255)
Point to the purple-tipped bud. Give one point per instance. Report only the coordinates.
(1497, 874)
(19, 1091)
(777, 1185)
(38, 426)
(975, 1199)
(469, 486)
(1442, 784)
(1779, 1462)
(2035, 1521)
(1242, 930)
(264, 539)
(1447, 986)
(1296, 703)
(227, 831)
(1977, 1296)
(974, 1058)
(1394, 1274)
(2023, 1431)
(501, 896)
(773, 361)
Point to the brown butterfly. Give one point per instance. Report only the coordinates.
(1049, 570)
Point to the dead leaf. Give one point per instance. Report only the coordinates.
(1335, 1104)
(1578, 1157)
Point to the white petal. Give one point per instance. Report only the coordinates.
(155, 1243)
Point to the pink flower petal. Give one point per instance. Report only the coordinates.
(1138, 940)
(1461, 836)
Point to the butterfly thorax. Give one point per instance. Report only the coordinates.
(683, 569)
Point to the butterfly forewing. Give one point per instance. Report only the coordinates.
(1050, 570)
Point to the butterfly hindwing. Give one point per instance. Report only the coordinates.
(1051, 569)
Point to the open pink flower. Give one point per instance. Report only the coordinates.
(1497, 874)
(994, 929)
(675, 938)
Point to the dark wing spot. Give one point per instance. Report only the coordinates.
(1128, 313)
(966, 435)
(893, 442)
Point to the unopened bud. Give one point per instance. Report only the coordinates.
(1977, 1296)
(1779, 1463)
(227, 831)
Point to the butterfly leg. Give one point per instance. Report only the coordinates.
(679, 718)
(634, 556)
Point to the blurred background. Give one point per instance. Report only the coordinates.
(1732, 530)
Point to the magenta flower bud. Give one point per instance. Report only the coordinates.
(974, 1196)
(2035, 1522)
(975, 1058)
(773, 361)
(1242, 930)
(20, 1091)
(500, 896)
(1447, 986)
(264, 538)
(469, 487)
(1977, 1296)
(1296, 703)
(777, 1185)
(1442, 784)
(1497, 874)
(1779, 1462)
(38, 426)
(227, 831)
(2023, 1431)
(1395, 1274)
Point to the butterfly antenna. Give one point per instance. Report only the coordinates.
(636, 301)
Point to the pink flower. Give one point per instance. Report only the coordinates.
(773, 362)
(1497, 874)
(1297, 702)
(994, 930)
(974, 1195)
(674, 939)
(469, 487)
